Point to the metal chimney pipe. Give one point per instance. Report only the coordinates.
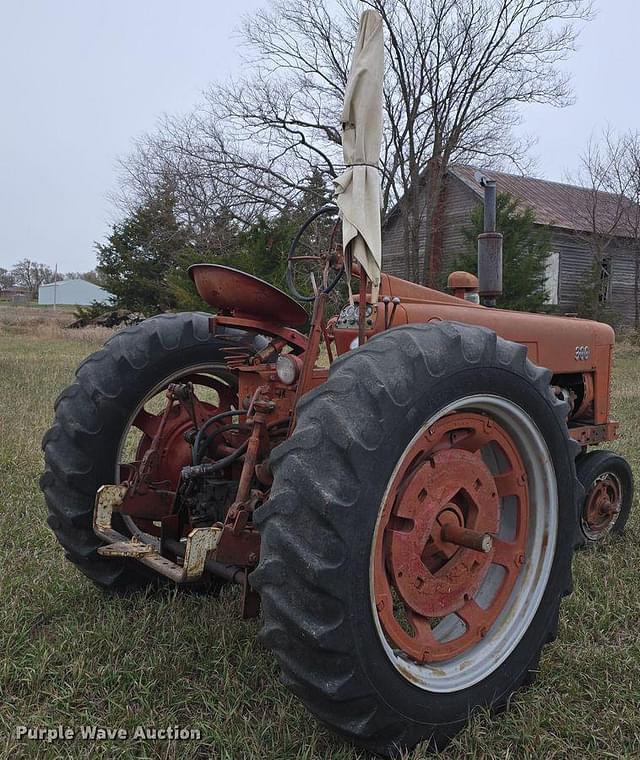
(489, 249)
(490, 194)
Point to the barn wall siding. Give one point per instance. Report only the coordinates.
(394, 260)
(575, 254)
(458, 204)
(622, 296)
(576, 261)
(575, 267)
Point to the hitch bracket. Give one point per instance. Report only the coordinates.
(198, 545)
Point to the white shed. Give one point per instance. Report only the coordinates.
(72, 293)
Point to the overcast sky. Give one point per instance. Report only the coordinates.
(80, 79)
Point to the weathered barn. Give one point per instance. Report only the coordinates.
(582, 223)
(75, 292)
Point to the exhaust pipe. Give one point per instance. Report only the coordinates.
(489, 248)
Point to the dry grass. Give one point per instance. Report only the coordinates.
(49, 324)
(21, 317)
(71, 655)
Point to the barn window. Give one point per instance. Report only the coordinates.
(605, 280)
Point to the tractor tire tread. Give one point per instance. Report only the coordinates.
(72, 446)
(303, 563)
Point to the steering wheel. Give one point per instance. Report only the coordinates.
(316, 246)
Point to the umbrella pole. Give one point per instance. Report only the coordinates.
(362, 306)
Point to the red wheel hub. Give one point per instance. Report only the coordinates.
(153, 498)
(440, 535)
(603, 503)
(174, 452)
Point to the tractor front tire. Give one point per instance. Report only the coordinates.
(92, 415)
(412, 431)
(607, 480)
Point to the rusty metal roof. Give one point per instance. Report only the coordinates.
(554, 203)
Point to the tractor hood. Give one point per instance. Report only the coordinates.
(562, 344)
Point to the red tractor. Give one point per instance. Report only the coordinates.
(405, 518)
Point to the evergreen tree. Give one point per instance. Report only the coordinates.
(140, 255)
(145, 260)
(260, 249)
(592, 301)
(526, 249)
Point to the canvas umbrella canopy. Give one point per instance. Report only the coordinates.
(358, 188)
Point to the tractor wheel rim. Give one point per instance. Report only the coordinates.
(602, 506)
(447, 615)
(214, 370)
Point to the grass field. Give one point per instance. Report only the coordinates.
(71, 655)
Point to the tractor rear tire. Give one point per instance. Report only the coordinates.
(320, 529)
(91, 415)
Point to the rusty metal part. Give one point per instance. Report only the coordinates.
(396, 302)
(462, 283)
(462, 280)
(589, 435)
(258, 444)
(331, 326)
(263, 326)
(252, 378)
(362, 307)
(489, 248)
(231, 573)
(311, 353)
(269, 352)
(134, 549)
(250, 598)
(386, 301)
(327, 336)
(602, 505)
(149, 460)
(200, 542)
(567, 395)
(443, 490)
(242, 294)
(472, 539)
(490, 266)
(162, 452)
(239, 543)
(108, 499)
(586, 403)
(242, 548)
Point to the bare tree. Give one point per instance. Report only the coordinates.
(610, 214)
(632, 214)
(211, 195)
(456, 73)
(6, 279)
(31, 274)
